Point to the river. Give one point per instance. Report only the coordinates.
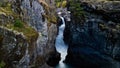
(61, 46)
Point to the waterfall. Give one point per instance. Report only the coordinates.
(61, 47)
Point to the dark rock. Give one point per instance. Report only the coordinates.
(95, 44)
(53, 59)
(59, 22)
(102, 8)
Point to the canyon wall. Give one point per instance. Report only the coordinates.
(93, 34)
(27, 33)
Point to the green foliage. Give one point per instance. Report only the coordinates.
(2, 64)
(64, 3)
(20, 26)
(61, 3)
(18, 23)
(76, 9)
(58, 4)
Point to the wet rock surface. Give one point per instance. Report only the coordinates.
(95, 42)
(108, 9)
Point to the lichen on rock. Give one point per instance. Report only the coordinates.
(24, 33)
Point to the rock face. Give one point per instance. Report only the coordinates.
(27, 35)
(93, 39)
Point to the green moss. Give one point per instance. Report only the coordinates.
(76, 9)
(6, 9)
(58, 4)
(18, 23)
(49, 12)
(20, 26)
(62, 3)
(52, 19)
(2, 64)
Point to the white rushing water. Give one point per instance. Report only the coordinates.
(61, 46)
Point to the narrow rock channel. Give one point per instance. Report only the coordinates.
(61, 46)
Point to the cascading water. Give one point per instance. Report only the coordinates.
(61, 46)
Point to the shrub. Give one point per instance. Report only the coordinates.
(76, 9)
(2, 64)
(61, 3)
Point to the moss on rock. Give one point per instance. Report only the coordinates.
(27, 30)
(6, 9)
(51, 17)
(2, 64)
(62, 3)
(17, 23)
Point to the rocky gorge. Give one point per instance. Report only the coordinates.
(31, 34)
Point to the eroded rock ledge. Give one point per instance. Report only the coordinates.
(27, 33)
